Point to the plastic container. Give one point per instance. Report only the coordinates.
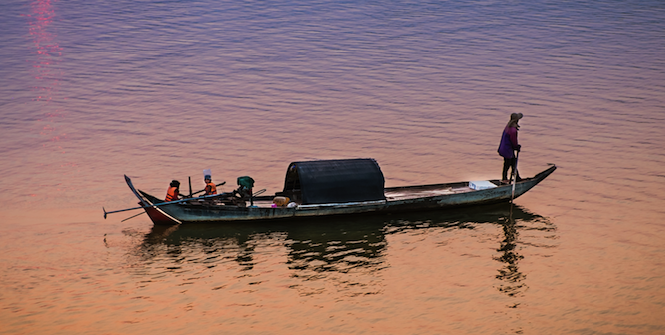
(481, 184)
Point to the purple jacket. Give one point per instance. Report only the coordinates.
(508, 143)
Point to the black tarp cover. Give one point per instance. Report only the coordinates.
(337, 181)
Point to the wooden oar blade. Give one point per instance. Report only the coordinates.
(133, 216)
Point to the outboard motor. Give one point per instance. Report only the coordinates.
(245, 186)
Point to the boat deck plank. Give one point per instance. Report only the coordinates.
(412, 194)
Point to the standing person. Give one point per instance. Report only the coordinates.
(174, 191)
(210, 186)
(508, 146)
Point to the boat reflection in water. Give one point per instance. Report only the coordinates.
(350, 251)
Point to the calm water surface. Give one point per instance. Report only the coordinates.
(160, 90)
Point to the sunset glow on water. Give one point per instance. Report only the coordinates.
(92, 90)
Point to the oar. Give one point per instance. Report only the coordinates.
(512, 197)
(133, 216)
(160, 204)
(251, 199)
(197, 192)
(120, 210)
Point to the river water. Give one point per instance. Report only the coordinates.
(160, 90)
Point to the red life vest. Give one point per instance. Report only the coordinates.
(210, 188)
(172, 194)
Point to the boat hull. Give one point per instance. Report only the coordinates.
(457, 195)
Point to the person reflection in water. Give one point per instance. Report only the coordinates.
(174, 191)
(510, 273)
(507, 148)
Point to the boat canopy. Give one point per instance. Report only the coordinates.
(334, 181)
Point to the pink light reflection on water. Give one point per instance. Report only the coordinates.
(45, 67)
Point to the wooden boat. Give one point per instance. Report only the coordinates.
(329, 188)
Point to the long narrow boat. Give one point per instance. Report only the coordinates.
(333, 187)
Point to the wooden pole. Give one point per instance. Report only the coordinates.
(512, 197)
(159, 204)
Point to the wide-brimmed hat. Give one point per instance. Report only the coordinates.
(516, 116)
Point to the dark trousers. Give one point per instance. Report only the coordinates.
(510, 163)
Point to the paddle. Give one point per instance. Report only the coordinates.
(160, 204)
(514, 176)
(251, 198)
(197, 192)
(133, 216)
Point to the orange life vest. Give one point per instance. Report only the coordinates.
(172, 194)
(210, 188)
